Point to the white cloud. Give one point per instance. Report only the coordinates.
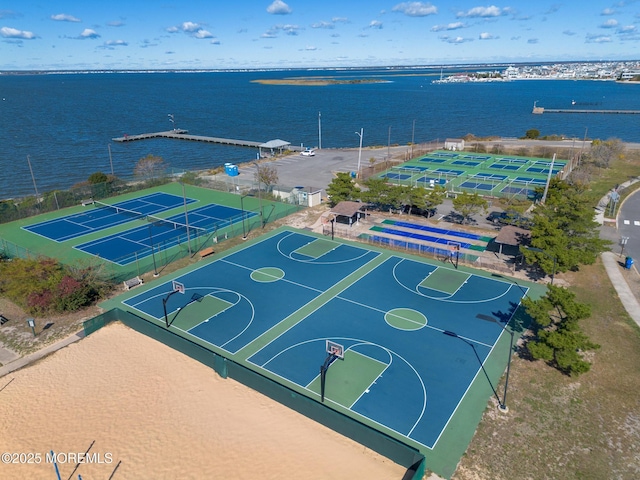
(532, 41)
(116, 23)
(455, 40)
(375, 24)
(115, 43)
(89, 33)
(202, 34)
(8, 32)
(327, 25)
(340, 20)
(484, 12)
(449, 26)
(190, 27)
(63, 17)
(627, 29)
(569, 32)
(415, 9)
(594, 38)
(287, 29)
(608, 11)
(611, 23)
(278, 7)
(310, 48)
(486, 36)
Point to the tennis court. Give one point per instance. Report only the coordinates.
(488, 174)
(100, 216)
(129, 246)
(415, 336)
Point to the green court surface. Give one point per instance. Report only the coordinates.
(345, 388)
(486, 174)
(15, 241)
(447, 281)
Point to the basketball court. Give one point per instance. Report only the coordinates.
(391, 340)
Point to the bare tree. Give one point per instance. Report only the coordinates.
(603, 152)
(267, 175)
(150, 167)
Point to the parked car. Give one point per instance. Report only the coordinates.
(510, 217)
(308, 152)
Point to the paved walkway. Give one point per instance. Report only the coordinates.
(628, 299)
(27, 359)
(615, 271)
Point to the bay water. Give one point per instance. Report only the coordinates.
(64, 123)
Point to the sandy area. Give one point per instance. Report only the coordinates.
(147, 411)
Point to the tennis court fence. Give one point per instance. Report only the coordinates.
(12, 250)
(395, 450)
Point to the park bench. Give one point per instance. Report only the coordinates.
(205, 252)
(132, 282)
(88, 201)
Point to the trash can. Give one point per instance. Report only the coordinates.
(628, 262)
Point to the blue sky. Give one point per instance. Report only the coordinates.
(144, 34)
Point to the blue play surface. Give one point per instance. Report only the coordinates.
(126, 247)
(273, 305)
(98, 218)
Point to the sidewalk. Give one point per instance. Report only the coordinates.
(630, 301)
(27, 359)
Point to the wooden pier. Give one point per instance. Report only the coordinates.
(541, 110)
(184, 135)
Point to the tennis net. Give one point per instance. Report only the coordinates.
(120, 210)
(161, 222)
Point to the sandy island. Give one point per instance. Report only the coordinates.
(147, 411)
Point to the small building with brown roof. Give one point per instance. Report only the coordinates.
(509, 240)
(348, 212)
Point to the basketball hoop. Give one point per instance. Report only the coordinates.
(178, 287)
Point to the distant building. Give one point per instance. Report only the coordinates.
(456, 144)
(629, 74)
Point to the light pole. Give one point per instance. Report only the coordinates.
(244, 232)
(534, 249)
(503, 405)
(186, 218)
(319, 131)
(359, 151)
(389, 146)
(110, 157)
(153, 255)
(259, 189)
(413, 136)
(35, 187)
(164, 306)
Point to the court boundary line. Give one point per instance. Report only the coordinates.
(359, 341)
(443, 299)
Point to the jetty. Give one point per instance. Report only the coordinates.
(540, 110)
(271, 146)
(184, 135)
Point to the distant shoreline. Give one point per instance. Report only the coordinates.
(317, 81)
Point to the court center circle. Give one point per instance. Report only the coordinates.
(267, 274)
(405, 319)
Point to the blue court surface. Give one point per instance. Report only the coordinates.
(159, 234)
(414, 342)
(98, 218)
